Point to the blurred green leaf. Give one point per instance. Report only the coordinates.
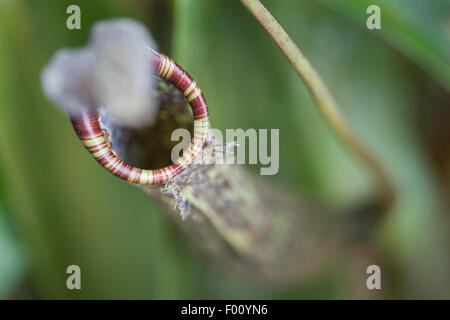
(12, 258)
(420, 29)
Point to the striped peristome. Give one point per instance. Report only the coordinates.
(90, 133)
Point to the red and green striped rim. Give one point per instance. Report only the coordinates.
(88, 129)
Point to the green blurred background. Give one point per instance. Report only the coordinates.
(58, 207)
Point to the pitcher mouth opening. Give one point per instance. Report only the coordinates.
(150, 146)
(97, 141)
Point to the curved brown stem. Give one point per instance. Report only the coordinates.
(322, 97)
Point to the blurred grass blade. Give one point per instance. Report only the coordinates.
(12, 258)
(418, 28)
